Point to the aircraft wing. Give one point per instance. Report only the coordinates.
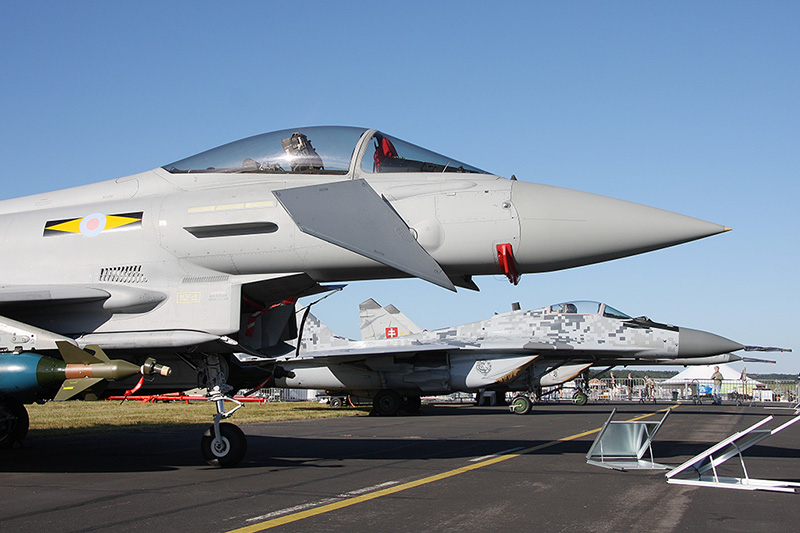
(359, 353)
(376, 349)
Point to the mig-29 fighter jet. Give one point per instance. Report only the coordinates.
(517, 351)
(205, 257)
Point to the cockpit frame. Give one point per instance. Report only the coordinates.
(319, 150)
(587, 307)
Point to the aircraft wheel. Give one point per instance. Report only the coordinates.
(412, 404)
(13, 422)
(521, 405)
(387, 403)
(579, 398)
(226, 452)
(336, 403)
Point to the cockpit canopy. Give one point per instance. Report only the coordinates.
(319, 150)
(587, 307)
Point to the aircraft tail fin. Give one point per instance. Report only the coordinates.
(317, 336)
(384, 322)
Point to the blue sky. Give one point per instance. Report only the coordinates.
(687, 106)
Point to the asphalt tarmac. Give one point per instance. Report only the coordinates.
(450, 468)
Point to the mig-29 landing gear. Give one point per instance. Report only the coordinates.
(579, 397)
(521, 405)
(388, 402)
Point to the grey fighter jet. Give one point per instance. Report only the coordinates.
(205, 257)
(516, 351)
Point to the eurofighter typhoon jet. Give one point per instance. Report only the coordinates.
(397, 362)
(203, 258)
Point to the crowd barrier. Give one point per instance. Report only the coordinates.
(622, 389)
(696, 390)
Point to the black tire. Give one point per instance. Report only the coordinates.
(521, 405)
(387, 403)
(336, 403)
(579, 398)
(13, 422)
(412, 404)
(230, 452)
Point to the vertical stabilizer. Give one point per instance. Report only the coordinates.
(317, 336)
(384, 322)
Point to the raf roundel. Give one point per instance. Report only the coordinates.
(92, 225)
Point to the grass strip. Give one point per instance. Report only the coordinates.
(73, 417)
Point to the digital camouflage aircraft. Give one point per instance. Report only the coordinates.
(517, 351)
(204, 257)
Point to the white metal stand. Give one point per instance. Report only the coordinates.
(620, 445)
(709, 460)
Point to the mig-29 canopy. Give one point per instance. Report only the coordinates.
(588, 307)
(319, 150)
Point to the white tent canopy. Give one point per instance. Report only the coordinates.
(704, 372)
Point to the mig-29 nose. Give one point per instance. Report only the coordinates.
(563, 228)
(696, 343)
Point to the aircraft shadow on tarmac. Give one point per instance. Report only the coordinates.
(164, 450)
(159, 451)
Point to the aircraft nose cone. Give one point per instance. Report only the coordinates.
(695, 343)
(562, 228)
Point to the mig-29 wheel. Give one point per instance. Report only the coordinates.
(579, 398)
(228, 451)
(521, 405)
(13, 422)
(336, 403)
(387, 403)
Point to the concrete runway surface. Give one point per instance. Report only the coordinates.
(450, 468)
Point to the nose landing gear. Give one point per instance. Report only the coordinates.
(222, 444)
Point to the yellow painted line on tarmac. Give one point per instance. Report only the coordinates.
(308, 513)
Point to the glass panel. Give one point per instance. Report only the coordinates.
(582, 307)
(610, 312)
(313, 150)
(390, 154)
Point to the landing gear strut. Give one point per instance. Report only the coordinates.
(223, 444)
